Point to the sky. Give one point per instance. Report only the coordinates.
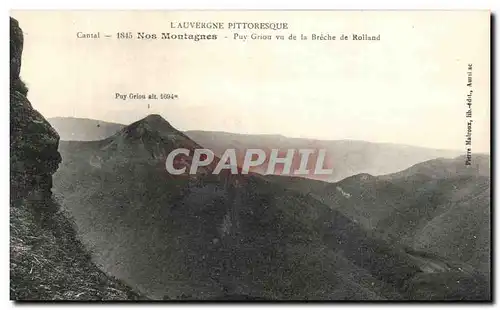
(410, 87)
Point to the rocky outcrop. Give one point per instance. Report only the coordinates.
(33, 142)
(47, 261)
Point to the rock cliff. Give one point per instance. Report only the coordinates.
(33, 141)
(47, 261)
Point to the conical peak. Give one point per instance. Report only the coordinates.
(154, 122)
(154, 118)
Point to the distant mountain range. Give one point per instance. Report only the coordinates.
(83, 129)
(346, 157)
(275, 237)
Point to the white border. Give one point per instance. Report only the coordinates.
(493, 5)
(256, 4)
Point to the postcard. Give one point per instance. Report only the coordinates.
(250, 155)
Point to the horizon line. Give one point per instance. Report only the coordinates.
(275, 134)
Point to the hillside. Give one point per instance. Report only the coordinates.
(439, 206)
(47, 260)
(451, 214)
(219, 235)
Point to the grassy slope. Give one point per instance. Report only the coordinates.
(48, 262)
(449, 216)
(261, 240)
(281, 252)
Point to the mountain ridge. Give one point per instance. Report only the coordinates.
(222, 237)
(347, 157)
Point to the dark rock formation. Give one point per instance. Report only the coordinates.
(33, 141)
(47, 261)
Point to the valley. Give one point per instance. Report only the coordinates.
(271, 237)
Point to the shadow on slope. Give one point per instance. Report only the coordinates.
(209, 235)
(205, 236)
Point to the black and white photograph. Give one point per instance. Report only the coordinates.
(272, 156)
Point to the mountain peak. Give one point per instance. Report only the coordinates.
(154, 120)
(150, 129)
(152, 117)
(153, 123)
(151, 134)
